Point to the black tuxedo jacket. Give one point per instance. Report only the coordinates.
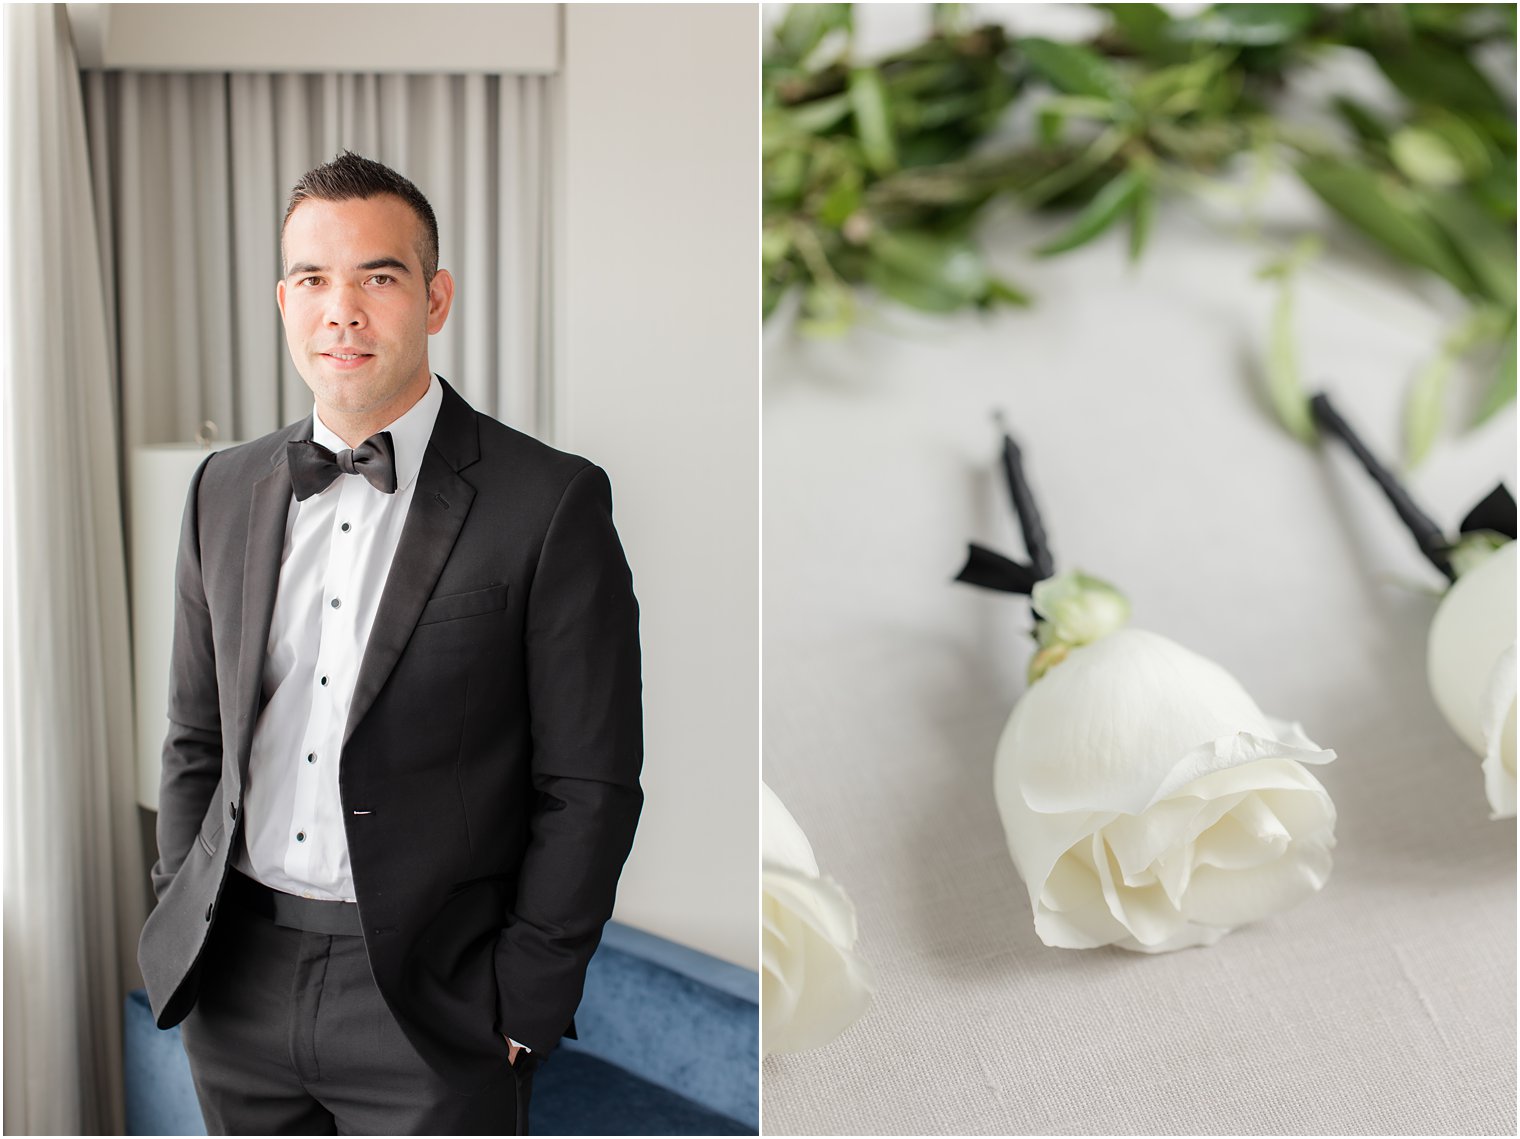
(490, 767)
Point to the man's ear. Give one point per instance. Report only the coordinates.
(279, 296)
(440, 299)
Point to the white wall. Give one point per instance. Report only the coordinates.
(318, 37)
(658, 383)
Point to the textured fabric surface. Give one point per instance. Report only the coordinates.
(1385, 1004)
(578, 1094)
(682, 1019)
(159, 1088)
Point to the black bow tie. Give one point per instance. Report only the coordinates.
(313, 467)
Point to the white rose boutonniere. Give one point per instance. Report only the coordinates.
(1471, 661)
(1470, 658)
(1148, 802)
(813, 985)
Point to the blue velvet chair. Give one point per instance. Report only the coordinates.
(669, 1046)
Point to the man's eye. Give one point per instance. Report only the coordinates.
(382, 278)
(311, 280)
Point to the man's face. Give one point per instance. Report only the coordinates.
(357, 316)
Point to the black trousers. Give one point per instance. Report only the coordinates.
(290, 1036)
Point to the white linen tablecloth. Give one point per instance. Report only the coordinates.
(1386, 1004)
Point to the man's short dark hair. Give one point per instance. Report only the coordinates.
(351, 176)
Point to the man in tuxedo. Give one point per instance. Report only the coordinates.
(401, 774)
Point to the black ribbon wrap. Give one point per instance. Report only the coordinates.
(992, 570)
(1496, 513)
(1427, 535)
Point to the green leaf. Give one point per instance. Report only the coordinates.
(1108, 205)
(843, 198)
(1501, 389)
(1464, 137)
(1496, 189)
(1200, 84)
(785, 174)
(1072, 69)
(873, 119)
(1484, 245)
(1460, 21)
(1248, 25)
(827, 310)
(775, 245)
(1305, 248)
(805, 26)
(1047, 187)
(1423, 156)
(820, 115)
(1366, 125)
(1146, 27)
(1423, 408)
(1384, 211)
(949, 19)
(1142, 215)
(1052, 125)
(1000, 291)
(926, 271)
(1285, 386)
(1435, 74)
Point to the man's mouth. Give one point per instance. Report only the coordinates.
(347, 359)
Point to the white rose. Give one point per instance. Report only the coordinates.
(1471, 662)
(813, 986)
(1150, 804)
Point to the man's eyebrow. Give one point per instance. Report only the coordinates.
(305, 267)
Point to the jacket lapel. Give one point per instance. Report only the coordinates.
(261, 579)
(440, 504)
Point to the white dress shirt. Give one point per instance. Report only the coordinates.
(338, 551)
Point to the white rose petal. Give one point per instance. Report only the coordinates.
(1471, 662)
(782, 842)
(813, 986)
(1149, 803)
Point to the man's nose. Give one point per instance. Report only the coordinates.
(344, 310)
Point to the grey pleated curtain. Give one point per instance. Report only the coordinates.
(74, 880)
(191, 174)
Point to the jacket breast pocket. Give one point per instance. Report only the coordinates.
(456, 605)
(209, 833)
